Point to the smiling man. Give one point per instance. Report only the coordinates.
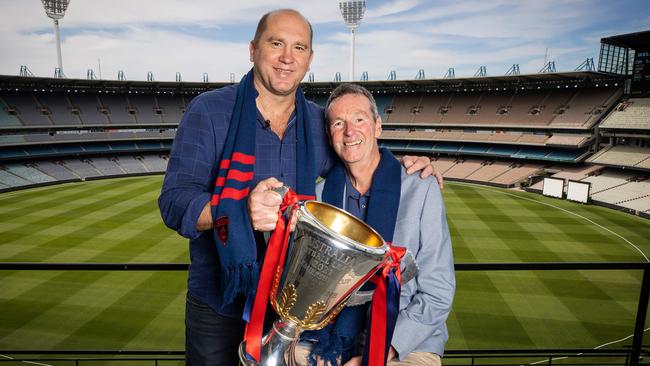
(408, 211)
(229, 140)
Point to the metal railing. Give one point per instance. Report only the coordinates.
(631, 356)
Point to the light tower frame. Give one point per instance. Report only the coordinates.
(352, 12)
(55, 9)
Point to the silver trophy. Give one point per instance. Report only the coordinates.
(330, 255)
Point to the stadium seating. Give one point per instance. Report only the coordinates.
(585, 107)
(106, 166)
(629, 114)
(59, 108)
(402, 108)
(518, 173)
(90, 110)
(462, 170)
(28, 173)
(46, 171)
(172, 107)
(631, 156)
(607, 180)
(146, 108)
(567, 140)
(119, 112)
(489, 171)
(6, 118)
(561, 108)
(12, 180)
(30, 113)
(55, 170)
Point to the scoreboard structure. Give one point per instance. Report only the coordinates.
(628, 55)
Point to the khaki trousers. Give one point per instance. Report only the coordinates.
(413, 359)
(417, 359)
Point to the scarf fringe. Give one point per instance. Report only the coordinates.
(330, 347)
(239, 280)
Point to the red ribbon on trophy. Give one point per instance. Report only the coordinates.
(275, 256)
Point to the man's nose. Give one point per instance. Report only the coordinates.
(287, 55)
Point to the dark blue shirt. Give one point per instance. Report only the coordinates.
(355, 202)
(193, 167)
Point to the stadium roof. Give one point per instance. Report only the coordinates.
(635, 41)
(542, 80)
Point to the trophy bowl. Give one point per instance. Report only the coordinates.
(330, 255)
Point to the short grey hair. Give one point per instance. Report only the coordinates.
(347, 88)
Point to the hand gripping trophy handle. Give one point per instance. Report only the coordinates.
(329, 256)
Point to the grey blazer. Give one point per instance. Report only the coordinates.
(426, 300)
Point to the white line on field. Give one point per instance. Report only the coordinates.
(30, 362)
(564, 210)
(584, 218)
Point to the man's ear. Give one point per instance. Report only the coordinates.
(378, 127)
(251, 51)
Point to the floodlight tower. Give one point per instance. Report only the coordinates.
(352, 12)
(55, 9)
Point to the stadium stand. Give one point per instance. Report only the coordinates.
(90, 110)
(131, 164)
(585, 107)
(82, 168)
(119, 111)
(629, 114)
(608, 179)
(106, 166)
(59, 108)
(462, 169)
(403, 108)
(11, 180)
(497, 131)
(56, 170)
(573, 108)
(7, 116)
(631, 156)
(25, 106)
(147, 110)
(518, 173)
(28, 173)
(172, 107)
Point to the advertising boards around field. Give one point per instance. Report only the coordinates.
(578, 191)
(553, 187)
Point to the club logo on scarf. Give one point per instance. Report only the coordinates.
(221, 226)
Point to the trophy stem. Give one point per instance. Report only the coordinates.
(275, 346)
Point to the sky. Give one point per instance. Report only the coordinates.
(194, 37)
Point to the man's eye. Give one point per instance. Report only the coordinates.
(276, 43)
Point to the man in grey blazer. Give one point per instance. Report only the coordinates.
(415, 215)
(353, 125)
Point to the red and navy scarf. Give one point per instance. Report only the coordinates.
(338, 339)
(233, 233)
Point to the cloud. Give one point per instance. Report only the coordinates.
(199, 36)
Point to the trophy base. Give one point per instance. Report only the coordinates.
(277, 347)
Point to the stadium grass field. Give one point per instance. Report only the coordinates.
(117, 220)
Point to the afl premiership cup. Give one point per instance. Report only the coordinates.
(330, 255)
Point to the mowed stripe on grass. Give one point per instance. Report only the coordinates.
(117, 221)
(114, 221)
(536, 308)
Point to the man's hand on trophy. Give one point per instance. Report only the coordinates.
(264, 204)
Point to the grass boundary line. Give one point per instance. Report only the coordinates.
(561, 209)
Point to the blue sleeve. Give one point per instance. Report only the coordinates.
(191, 169)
